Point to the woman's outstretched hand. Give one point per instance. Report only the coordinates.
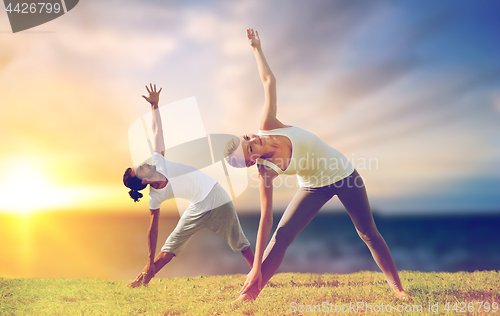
(253, 37)
(254, 276)
(154, 96)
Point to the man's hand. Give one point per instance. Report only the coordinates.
(154, 96)
(253, 38)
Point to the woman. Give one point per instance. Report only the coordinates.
(322, 173)
(210, 206)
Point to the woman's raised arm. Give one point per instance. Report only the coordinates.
(268, 120)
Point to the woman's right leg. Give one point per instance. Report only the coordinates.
(301, 210)
(354, 198)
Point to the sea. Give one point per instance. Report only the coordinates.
(114, 245)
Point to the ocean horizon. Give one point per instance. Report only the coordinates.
(114, 245)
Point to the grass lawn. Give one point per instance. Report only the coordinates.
(459, 293)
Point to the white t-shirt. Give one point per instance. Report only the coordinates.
(184, 182)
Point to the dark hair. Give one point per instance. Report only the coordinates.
(133, 183)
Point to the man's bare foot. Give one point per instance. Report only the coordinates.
(134, 284)
(146, 278)
(401, 294)
(247, 297)
(137, 282)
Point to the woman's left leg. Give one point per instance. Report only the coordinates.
(353, 196)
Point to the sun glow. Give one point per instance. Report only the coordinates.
(25, 189)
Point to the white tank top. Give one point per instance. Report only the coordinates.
(314, 162)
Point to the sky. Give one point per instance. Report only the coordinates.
(409, 91)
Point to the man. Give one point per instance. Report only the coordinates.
(210, 206)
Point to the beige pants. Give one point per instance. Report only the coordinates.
(221, 220)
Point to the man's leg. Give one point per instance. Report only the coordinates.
(248, 255)
(224, 221)
(189, 223)
(160, 261)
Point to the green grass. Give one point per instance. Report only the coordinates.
(286, 293)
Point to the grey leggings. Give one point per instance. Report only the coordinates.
(306, 204)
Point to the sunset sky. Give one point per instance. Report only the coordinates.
(412, 86)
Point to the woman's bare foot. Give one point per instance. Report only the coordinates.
(401, 294)
(247, 297)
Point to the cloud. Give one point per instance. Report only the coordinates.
(442, 100)
(365, 78)
(114, 48)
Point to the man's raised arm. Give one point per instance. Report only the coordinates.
(154, 97)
